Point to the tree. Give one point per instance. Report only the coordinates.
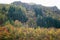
(15, 13)
(3, 16)
(38, 11)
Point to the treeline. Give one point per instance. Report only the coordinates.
(41, 17)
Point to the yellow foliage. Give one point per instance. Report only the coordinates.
(10, 32)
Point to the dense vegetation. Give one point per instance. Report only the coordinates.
(9, 32)
(31, 15)
(23, 21)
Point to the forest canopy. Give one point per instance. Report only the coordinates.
(31, 15)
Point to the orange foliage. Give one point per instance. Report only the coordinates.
(25, 33)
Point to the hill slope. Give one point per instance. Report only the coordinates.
(31, 14)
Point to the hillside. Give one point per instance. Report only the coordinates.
(32, 15)
(32, 8)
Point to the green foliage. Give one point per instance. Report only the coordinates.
(3, 16)
(33, 15)
(31, 23)
(15, 13)
(38, 12)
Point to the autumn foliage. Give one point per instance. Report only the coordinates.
(10, 32)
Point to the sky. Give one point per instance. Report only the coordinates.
(42, 2)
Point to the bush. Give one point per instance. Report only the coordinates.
(10, 32)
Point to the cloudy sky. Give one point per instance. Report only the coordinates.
(43, 2)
